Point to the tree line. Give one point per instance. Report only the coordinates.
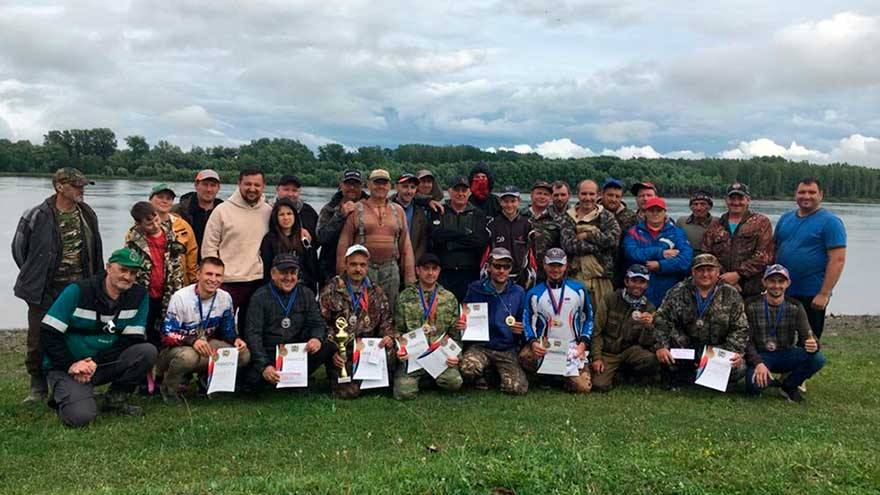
(96, 152)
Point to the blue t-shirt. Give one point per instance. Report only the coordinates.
(802, 245)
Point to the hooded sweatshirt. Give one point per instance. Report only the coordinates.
(234, 233)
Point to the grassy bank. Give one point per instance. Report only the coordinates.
(633, 440)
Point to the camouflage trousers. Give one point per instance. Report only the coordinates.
(477, 362)
(406, 385)
(581, 384)
(640, 360)
(387, 276)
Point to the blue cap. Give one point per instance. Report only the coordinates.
(509, 191)
(776, 269)
(612, 182)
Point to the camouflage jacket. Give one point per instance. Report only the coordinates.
(546, 233)
(603, 237)
(615, 330)
(174, 269)
(748, 251)
(625, 217)
(335, 302)
(724, 321)
(409, 314)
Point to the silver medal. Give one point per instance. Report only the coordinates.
(285, 323)
(636, 315)
(352, 320)
(700, 323)
(771, 346)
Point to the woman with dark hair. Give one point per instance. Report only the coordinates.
(286, 236)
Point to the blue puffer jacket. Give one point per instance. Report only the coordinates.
(500, 336)
(641, 247)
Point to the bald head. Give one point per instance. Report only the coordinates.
(588, 193)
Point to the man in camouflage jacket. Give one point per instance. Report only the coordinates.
(353, 302)
(429, 306)
(701, 310)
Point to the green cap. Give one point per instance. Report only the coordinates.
(69, 175)
(127, 258)
(161, 187)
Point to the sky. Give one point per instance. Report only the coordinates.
(564, 79)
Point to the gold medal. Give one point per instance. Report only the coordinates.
(557, 323)
(510, 320)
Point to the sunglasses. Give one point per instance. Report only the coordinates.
(501, 266)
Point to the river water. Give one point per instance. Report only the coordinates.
(112, 199)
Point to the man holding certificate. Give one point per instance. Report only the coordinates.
(700, 311)
(780, 340)
(558, 325)
(426, 305)
(623, 336)
(199, 321)
(504, 299)
(284, 312)
(353, 308)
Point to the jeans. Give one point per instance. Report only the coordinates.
(799, 363)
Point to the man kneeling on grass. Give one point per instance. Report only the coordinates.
(483, 360)
(429, 306)
(780, 338)
(199, 321)
(283, 312)
(93, 334)
(623, 335)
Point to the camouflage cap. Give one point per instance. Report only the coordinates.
(128, 258)
(69, 175)
(706, 259)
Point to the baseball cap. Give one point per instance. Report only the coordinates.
(458, 180)
(352, 175)
(285, 261)
(207, 174)
(612, 182)
(542, 184)
(128, 258)
(500, 253)
(706, 259)
(660, 202)
(357, 248)
(701, 196)
(161, 187)
(290, 179)
(776, 269)
(638, 186)
(555, 256)
(70, 175)
(738, 188)
(406, 177)
(509, 191)
(428, 259)
(380, 174)
(424, 173)
(637, 270)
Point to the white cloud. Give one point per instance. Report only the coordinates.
(622, 131)
(563, 148)
(858, 150)
(686, 154)
(768, 147)
(627, 152)
(192, 116)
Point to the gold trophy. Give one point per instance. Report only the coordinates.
(341, 339)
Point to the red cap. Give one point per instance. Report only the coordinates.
(655, 202)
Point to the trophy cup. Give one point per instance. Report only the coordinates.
(341, 339)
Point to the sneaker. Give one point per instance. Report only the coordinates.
(791, 394)
(481, 384)
(803, 387)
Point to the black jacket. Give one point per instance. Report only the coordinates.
(458, 239)
(309, 271)
(195, 216)
(263, 331)
(36, 249)
(512, 235)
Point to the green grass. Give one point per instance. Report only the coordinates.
(633, 440)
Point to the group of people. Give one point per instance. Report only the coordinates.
(621, 287)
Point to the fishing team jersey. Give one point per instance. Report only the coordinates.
(183, 321)
(574, 321)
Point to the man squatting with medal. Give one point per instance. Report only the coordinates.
(558, 308)
(199, 321)
(429, 306)
(480, 361)
(351, 302)
(623, 332)
(283, 312)
(780, 339)
(699, 311)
